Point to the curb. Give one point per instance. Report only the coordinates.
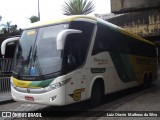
(6, 101)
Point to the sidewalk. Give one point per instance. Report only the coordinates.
(5, 97)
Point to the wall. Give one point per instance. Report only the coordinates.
(145, 23)
(123, 6)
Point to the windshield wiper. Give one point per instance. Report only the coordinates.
(35, 58)
(25, 62)
(28, 59)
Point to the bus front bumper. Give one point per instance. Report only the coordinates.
(55, 97)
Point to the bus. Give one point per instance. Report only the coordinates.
(78, 58)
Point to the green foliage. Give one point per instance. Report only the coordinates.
(7, 26)
(8, 29)
(78, 7)
(33, 19)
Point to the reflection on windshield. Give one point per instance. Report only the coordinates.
(37, 49)
(24, 49)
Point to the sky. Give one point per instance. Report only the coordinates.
(18, 11)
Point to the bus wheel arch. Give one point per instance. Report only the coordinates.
(97, 92)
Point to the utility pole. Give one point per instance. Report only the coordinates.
(0, 17)
(38, 10)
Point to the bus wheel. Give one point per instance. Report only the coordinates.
(96, 95)
(150, 79)
(146, 82)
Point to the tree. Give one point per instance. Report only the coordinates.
(3, 31)
(9, 29)
(14, 29)
(7, 26)
(78, 7)
(33, 19)
(0, 18)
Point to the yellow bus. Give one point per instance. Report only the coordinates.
(78, 58)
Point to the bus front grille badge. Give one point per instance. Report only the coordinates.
(28, 90)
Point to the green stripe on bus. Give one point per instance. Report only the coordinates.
(123, 66)
(44, 83)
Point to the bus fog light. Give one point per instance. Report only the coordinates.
(53, 98)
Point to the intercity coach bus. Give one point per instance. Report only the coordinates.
(78, 58)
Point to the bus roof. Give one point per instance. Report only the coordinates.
(61, 20)
(123, 31)
(75, 17)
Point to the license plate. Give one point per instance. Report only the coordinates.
(29, 98)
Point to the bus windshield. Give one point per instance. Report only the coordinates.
(36, 52)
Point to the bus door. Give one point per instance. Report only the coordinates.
(75, 89)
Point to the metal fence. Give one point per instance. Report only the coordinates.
(5, 89)
(5, 66)
(5, 73)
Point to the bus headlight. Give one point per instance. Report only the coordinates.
(57, 85)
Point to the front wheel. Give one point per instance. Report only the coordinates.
(96, 95)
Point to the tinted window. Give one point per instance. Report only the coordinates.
(110, 39)
(76, 47)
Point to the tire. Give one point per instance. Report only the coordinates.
(150, 80)
(96, 95)
(146, 82)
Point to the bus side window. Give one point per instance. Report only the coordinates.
(72, 57)
(102, 43)
(77, 45)
(73, 52)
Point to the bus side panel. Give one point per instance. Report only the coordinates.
(120, 71)
(103, 65)
(133, 67)
(144, 65)
(124, 66)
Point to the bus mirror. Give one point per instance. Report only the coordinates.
(4, 43)
(62, 36)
